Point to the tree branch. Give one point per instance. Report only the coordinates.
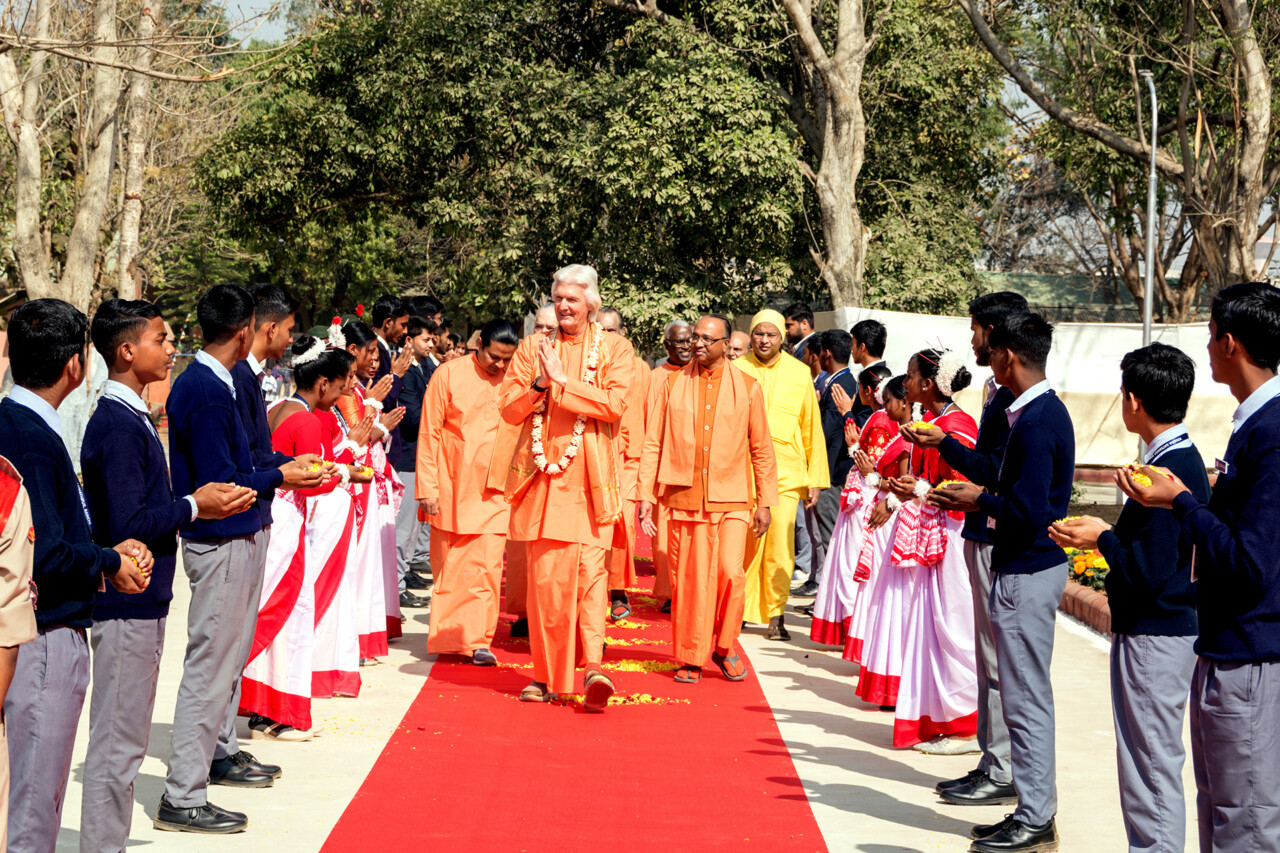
(1065, 116)
(642, 8)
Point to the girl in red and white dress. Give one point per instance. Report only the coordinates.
(877, 630)
(938, 691)
(277, 682)
(377, 608)
(837, 591)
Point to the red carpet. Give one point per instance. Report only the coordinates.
(673, 767)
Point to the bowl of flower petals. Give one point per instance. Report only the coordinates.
(921, 425)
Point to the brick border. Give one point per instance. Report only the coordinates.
(1087, 605)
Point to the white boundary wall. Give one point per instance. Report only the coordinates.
(1084, 367)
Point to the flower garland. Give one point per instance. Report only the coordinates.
(579, 425)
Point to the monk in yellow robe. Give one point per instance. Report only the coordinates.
(621, 562)
(676, 340)
(708, 458)
(562, 399)
(469, 520)
(801, 451)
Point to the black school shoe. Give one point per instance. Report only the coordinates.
(207, 819)
(980, 792)
(1018, 837)
(413, 580)
(242, 770)
(956, 783)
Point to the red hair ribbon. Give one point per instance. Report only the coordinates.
(360, 311)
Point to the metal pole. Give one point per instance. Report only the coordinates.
(1148, 296)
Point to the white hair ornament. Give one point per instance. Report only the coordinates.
(337, 340)
(948, 366)
(880, 386)
(312, 352)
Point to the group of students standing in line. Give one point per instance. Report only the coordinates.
(287, 522)
(946, 566)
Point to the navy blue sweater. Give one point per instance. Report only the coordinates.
(1033, 488)
(411, 397)
(253, 414)
(1237, 539)
(208, 444)
(1149, 586)
(981, 464)
(126, 478)
(396, 450)
(838, 461)
(68, 564)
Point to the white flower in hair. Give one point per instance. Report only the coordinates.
(880, 386)
(948, 366)
(337, 340)
(311, 353)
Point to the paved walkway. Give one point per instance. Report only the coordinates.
(865, 795)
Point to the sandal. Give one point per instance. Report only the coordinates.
(689, 674)
(597, 689)
(536, 691)
(621, 610)
(725, 663)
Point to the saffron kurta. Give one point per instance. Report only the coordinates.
(456, 437)
(567, 518)
(661, 568)
(709, 459)
(621, 560)
(801, 453)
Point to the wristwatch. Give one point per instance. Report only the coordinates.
(536, 389)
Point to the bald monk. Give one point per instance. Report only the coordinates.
(739, 343)
(469, 521)
(676, 340)
(544, 323)
(708, 459)
(562, 399)
(801, 452)
(621, 562)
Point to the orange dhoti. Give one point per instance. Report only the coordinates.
(707, 551)
(464, 602)
(663, 570)
(621, 561)
(568, 600)
(517, 589)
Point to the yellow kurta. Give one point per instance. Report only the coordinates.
(801, 453)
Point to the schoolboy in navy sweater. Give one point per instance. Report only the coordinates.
(47, 354)
(1235, 689)
(126, 478)
(224, 562)
(1032, 490)
(981, 464)
(273, 322)
(1151, 594)
(390, 323)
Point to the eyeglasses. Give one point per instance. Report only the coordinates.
(699, 339)
(768, 336)
(672, 343)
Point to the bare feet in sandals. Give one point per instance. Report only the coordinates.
(731, 665)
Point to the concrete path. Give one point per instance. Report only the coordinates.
(865, 795)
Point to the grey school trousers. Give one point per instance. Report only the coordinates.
(1150, 680)
(993, 735)
(1235, 748)
(126, 668)
(41, 710)
(1023, 612)
(821, 523)
(408, 528)
(226, 578)
(804, 545)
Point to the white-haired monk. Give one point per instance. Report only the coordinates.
(708, 459)
(739, 343)
(565, 393)
(469, 520)
(676, 340)
(801, 452)
(621, 561)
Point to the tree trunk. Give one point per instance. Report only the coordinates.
(1242, 264)
(20, 100)
(77, 279)
(130, 286)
